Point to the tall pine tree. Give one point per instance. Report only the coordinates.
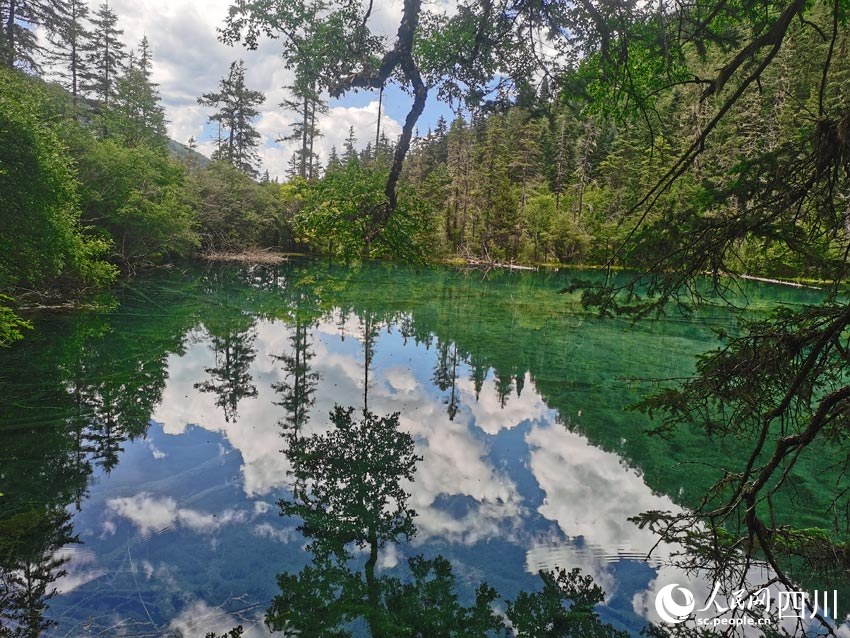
(140, 117)
(19, 20)
(237, 107)
(306, 102)
(66, 52)
(106, 60)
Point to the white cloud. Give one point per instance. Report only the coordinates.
(148, 513)
(275, 124)
(277, 534)
(492, 416)
(455, 464)
(591, 494)
(336, 123)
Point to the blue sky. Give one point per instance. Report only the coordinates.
(397, 104)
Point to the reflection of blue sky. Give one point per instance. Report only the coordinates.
(187, 523)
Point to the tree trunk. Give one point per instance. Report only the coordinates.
(10, 34)
(378, 127)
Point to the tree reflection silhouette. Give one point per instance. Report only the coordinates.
(299, 385)
(29, 566)
(230, 380)
(350, 494)
(445, 376)
(78, 395)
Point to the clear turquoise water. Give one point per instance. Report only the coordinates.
(151, 433)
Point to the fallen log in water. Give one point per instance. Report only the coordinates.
(478, 262)
(768, 280)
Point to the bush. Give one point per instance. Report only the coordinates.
(235, 212)
(344, 216)
(138, 197)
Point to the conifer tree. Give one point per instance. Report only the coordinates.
(141, 118)
(349, 152)
(306, 102)
(237, 108)
(66, 53)
(19, 20)
(333, 161)
(106, 60)
(458, 164)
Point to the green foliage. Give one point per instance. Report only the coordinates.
(139, 197)
(40, 236)
(137, 118)
(544, 614)
(348, 481)
(236, 632)
(570, 241)
(234, 212)
(10, 323)
(339, 212)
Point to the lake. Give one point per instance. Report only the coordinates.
(146, 446)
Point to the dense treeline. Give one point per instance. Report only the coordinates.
(552, 177)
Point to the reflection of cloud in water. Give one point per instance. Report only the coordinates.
(277, 534)
(345, 327)
(453, 465)
(255, 434)
(198, 618)
(152, 514)
(590, 493)
(459, 495)
(492, 417)
(401, 379)
(79, 568)
(454, 455)
(548, 557)
(389, 556)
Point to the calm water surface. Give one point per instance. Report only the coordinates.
(144, 450)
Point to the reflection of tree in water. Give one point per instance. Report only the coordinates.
(93, 386)
(29, 541)
(445, 375)
(230, 379)
(350, 495)
(348, 489)
(370, 326)
(113, 381)
(299, 384)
